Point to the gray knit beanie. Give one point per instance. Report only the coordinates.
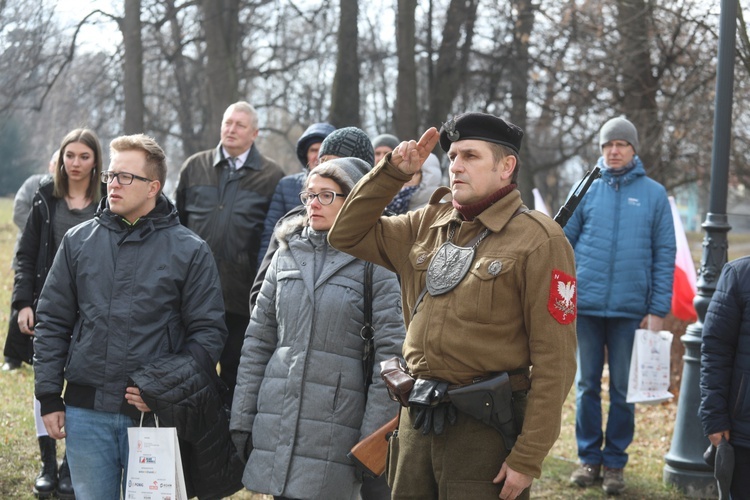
(619, 129)
(346, 172)
(385, 140)
(348, 142)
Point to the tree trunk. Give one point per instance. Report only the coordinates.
(639, 85)
(452, 59)
(132, 79)
(190, 139)
(519, 85)
(345, 90)
(221, 25)
(405, 115)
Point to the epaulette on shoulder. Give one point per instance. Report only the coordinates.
(439, 194)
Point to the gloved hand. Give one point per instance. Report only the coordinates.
(433, 418)
(243, 442)
(425, 409)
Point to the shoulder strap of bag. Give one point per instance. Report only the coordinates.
(367, 331)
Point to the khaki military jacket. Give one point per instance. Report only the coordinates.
(515, 308)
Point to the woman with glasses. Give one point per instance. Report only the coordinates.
(66, 200)
(300, 402)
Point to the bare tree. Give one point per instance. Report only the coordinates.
(133, 67)
(345, 89)
(519, 84)
(405, 113)
(221, 25)
(453, 58)
(637, 96)
(743, 51)
(33, 53)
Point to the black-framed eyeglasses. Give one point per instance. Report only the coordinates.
(324, 197)
(124, 178)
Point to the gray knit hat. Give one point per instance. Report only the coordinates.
(345, 171)
(619, 129)
(385, 140)
(348, 142)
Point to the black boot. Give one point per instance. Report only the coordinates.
(64, 484)
(46, 482)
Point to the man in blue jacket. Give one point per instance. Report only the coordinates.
(623, 237)
(126, 289)
(725, 365)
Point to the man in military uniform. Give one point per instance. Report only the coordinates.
(488, 288)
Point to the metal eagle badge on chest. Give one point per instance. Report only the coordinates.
(448, 267)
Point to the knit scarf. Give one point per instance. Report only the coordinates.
(400, 202)
(470, 211)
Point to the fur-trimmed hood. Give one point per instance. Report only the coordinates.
(289, 227)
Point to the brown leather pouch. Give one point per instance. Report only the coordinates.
(397, 379)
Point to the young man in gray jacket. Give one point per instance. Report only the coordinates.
(125, 290)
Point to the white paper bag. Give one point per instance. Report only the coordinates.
(649, 367)
(154, 464)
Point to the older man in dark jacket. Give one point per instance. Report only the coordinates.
(125, 290)
(725, 369)
(223, 195)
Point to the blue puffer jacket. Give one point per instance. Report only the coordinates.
(725, 356)
(285, 198)
(623, 236)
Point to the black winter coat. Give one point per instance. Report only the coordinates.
(35, 250)
(184, 391)
(725, 356)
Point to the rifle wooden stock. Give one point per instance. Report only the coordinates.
(371, 452)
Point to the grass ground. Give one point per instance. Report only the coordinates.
(654, 424)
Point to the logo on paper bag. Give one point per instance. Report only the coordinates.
(562, 297)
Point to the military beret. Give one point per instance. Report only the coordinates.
(482, 127)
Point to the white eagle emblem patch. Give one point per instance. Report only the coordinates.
(562, 297)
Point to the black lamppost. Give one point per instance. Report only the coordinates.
(684, 466)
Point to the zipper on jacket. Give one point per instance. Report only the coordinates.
(169, 340)
(613, 247)
(229, 186)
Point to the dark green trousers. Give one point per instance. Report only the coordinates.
(458, 464)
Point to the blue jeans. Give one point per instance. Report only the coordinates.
(97, 450)
(617, 335)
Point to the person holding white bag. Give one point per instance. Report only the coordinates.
(623, 236)
(126, 289)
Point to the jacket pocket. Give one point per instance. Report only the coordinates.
(75, 340)
(481, 290)
(175, 336)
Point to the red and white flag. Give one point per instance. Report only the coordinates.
(684, 287)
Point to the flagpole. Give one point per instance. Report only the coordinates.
(684, 466)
